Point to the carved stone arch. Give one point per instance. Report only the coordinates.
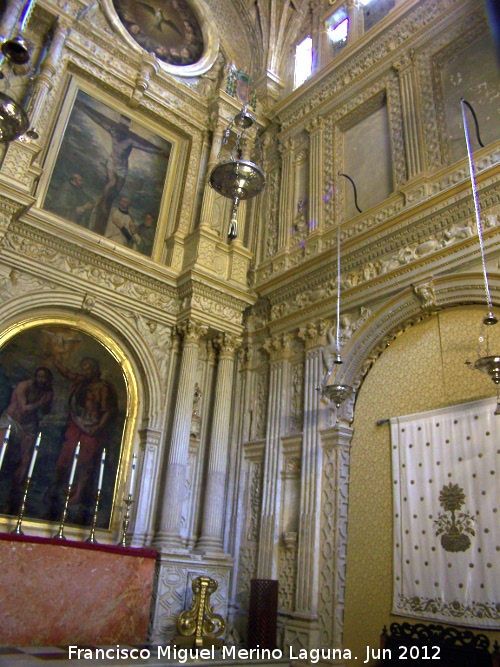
(107, 321)
(396, 315)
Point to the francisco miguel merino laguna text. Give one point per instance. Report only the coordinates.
(183, 655)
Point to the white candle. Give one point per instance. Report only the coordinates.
(101, 471)
(75, 461)
(132, 475)
(35, 454)
(4, 445)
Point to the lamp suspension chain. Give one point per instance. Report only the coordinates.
(490, 319)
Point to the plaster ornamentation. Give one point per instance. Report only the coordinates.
(169, 599)
(63, 256)
(279, 346)
(261, 405)
(158, 338)
(15, 283)
(255, 497)
(88, 303)
(450, 224)
(313, 334)
(247, 570)
(192, 332)
(287, 573)
(297, 398)
(426, 295)
(208, 305)
(333, 531)
(315, 125)
(239, 268)
(227, 344)
(17, 162)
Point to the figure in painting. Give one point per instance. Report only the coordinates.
(144, 236)
(121, 226)
(92, 411)
(30, 401)
(123, 142)
(72, 202)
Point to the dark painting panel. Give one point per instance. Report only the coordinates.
(61, 382)
(167, 28)
(109, 175)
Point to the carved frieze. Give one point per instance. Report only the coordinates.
(64, 258)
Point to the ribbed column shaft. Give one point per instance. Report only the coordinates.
(285, 210)
(169, 534)
(267, 561)
(207, 206)
(411, 120)
(212, 531)
(316, 180)
(307, 560)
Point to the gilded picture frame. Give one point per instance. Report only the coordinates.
(64, 381)
(110, 173)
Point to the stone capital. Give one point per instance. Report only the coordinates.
(279, 346)
(192, 331)
(313, 334)
(315, 124)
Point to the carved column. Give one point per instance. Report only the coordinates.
(307, 587)
(356, 27)
(286, 195)
(316, 160)
(333, 545)
(279, 349)
(169, 534)
(412, 122)
(207, 207)
(212, 530)
(44, 81)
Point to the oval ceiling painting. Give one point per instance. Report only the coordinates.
(167, 28)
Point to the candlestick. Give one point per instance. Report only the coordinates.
(75, 461)
(132, 475)
(101, 471)
(34, 455)
(126, 520)
(17, 530)
(4, 444)
(91, 537)
(60, 532)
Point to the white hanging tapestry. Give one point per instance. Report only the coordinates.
(446, 479)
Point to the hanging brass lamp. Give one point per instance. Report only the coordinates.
(236, 178)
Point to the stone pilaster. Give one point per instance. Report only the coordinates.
(279, 349)
(212, 530)
(286, 195)
(333, 522)
(150, 441)
(316, 178)
(306, 597)
(412, 123)
(169, 533)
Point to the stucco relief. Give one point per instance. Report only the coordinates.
(335, 485)
(158, 338)
(82, 264)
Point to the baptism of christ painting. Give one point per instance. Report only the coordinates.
(109, 175)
